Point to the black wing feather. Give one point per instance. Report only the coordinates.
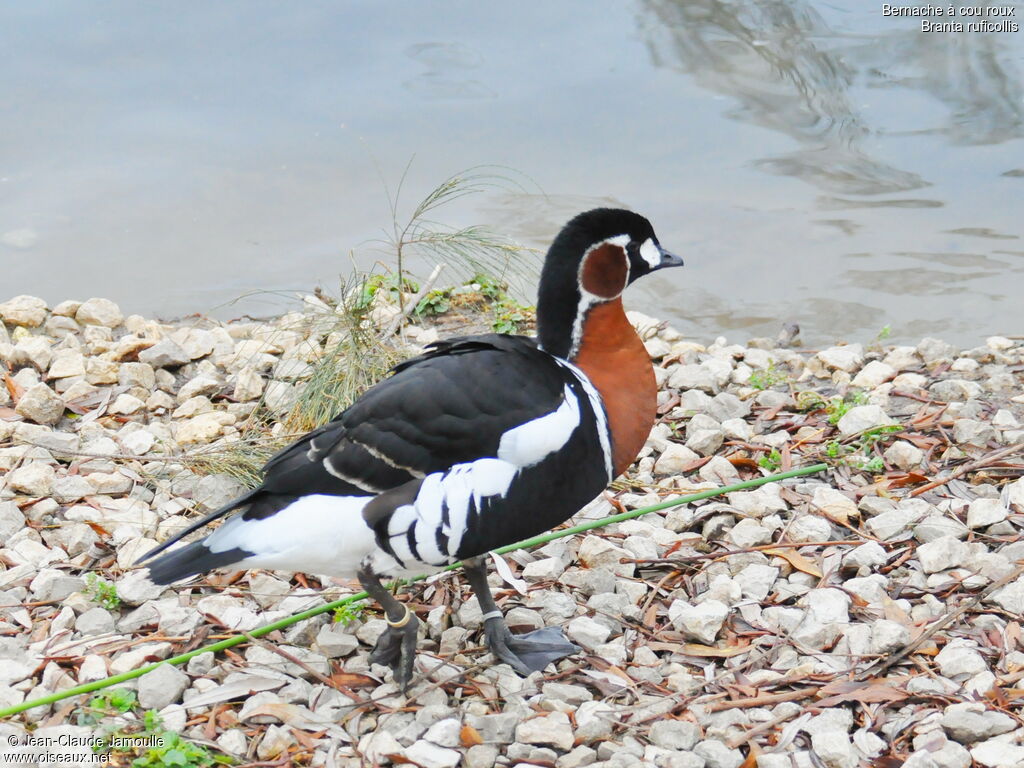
(447, 406)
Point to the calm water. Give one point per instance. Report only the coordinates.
(814, 161)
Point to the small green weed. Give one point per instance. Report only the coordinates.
(510, 316)
(437, 302)
(153, 745)
(769, 377)
(101, 591)
(115, 701)
(837, 407)
(350, 613)
(874, 464)
(834, 449)
(771, 461)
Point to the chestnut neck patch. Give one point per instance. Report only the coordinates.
(604, 271)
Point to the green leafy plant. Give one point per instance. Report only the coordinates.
(101, 591)
(436, 302)
(349, 613)
(510, 316)
(833, 449)
(115, 701)
(769, 377)
(837, 407)
(771, 461)
(874, 464)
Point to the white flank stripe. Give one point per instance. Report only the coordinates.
(529, 443)
(650, 253)
(597, 404)
(318, 534)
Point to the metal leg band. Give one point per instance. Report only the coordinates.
(492, 615)
(402, 621)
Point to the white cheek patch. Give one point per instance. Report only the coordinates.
(650, 253)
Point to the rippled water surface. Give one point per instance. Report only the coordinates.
(814, 161)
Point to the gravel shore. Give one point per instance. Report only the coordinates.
(870, 613)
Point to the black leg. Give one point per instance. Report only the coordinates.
(526, 653)
(396, 648)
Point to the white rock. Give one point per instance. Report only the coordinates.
(33, 479)
(998, 754)
(888, 636)
(135, 588)
(674, 459)
(942, 554)
(164, 354)
(960, 658)
(67, 362)
(126, 404)
(248, 385)
(835, 504)
(702, 622)
(985, 512)
(674, 734)
(904, 455)
(28, 311)
(1010, 598)
(432, 756)
(40, 404)
(846, 358)
(835, 749)
(973, 432)
(873, 374)
(1004, 419)
(862, 418)
(549, 730)
(970, 722)
(445, 733)
(99, 312)
(704, 435)
(138, 442)
(716, 755)
(587, 632)
(203, 428)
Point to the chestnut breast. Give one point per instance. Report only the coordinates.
(615, 360)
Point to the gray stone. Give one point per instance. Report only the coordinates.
(960, 658)
(11, 520)
(587, 632)
(942, 554)
(674, 734)
(163, 686)
(481, 756)
(835, 749)
(970, 722)
(847, 358)
(164, 354)
(717, 755)
(704, 435)
(862, 418)
(53, 584)
(334, 642)
(702, 622)
(1011, 597)
(95, 621)
(904, 455)
(888, 636)
(985, 512)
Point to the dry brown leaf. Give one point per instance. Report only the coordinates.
(866, 692)
(696, 649)
(904, 479)
(470, 736)
(14, 389)
(796, 560)
(893, 612)
(353, 680)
